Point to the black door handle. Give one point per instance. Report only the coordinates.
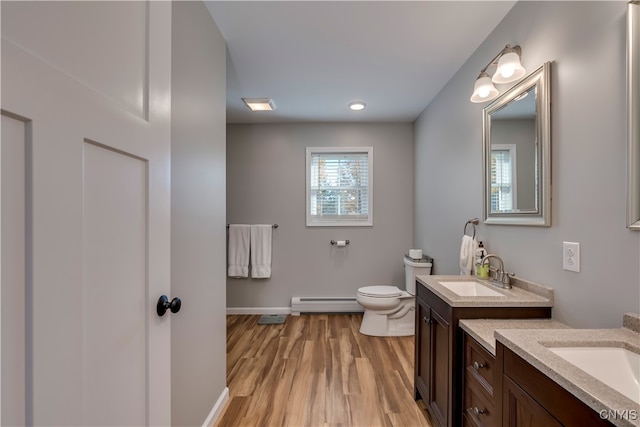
(164, 304)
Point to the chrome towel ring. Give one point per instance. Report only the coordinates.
(473, 222)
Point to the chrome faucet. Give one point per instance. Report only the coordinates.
(501, 277)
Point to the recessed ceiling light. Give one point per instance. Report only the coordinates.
(260, 104)
(357, 106)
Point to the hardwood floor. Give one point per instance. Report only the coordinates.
(318, 370)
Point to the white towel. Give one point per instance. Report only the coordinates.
(239, 250)
(261, 251)
(467, 254)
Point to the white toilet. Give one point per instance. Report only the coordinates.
(388, 310)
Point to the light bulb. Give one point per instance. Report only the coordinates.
(484, 90)
(509, 68)
(508, 71)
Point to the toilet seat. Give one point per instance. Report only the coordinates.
(380, 291)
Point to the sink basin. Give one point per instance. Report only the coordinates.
(470, 288)
(617, 367)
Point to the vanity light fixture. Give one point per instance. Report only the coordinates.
(508, 69)
(357, 105)
(260, 104)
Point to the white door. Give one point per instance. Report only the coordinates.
(86, 121)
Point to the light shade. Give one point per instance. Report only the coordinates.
(357, 105)
(509, 68)
(484, 90)
(260, 104)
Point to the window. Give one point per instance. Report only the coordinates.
(503, 173)
(339, 186)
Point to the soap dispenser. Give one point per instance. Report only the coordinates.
(482, 271)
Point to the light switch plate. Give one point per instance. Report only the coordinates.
(571, 256)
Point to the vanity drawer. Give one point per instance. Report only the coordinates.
(478, 409)
(479, 365)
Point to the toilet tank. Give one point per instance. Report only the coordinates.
(413, 268)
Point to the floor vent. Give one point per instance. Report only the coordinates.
(324, 305)
(272, 319)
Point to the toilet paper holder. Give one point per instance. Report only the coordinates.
(339, 242)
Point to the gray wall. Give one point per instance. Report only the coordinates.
(198, 331)
(266, 184)
(521, 133)
(586, 42)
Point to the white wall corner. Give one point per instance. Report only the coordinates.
(217, 408)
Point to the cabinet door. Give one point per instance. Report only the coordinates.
(521, 410)
(440, 368)
(423, 350)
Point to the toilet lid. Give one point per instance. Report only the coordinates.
(380, 291)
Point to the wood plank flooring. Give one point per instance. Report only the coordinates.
(318, 370)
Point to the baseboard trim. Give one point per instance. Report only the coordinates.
(258, 310)
(217, 408)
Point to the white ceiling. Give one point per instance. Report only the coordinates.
(315, 57)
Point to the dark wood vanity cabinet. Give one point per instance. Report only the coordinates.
(529, 398)
(484, 388)
(478, 401)
(522, 410)
(432, 373)
(439, 351)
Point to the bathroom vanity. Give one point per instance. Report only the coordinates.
(522, 373)
(529, 397)
(481, 373)
(441, 302)
(561, 373)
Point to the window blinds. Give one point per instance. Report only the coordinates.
(339, 186)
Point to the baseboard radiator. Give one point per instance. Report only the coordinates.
(324, 305)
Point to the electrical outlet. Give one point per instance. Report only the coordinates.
(571, 256)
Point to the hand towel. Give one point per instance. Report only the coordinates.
(261, 251)
(467, 253)
(239, 244)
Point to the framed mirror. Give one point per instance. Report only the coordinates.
(633, 115)
(517, 153)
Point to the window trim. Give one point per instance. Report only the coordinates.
(310, 221)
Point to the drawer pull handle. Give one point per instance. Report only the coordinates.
(427, 320)
(477, 411)
(477, 365)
